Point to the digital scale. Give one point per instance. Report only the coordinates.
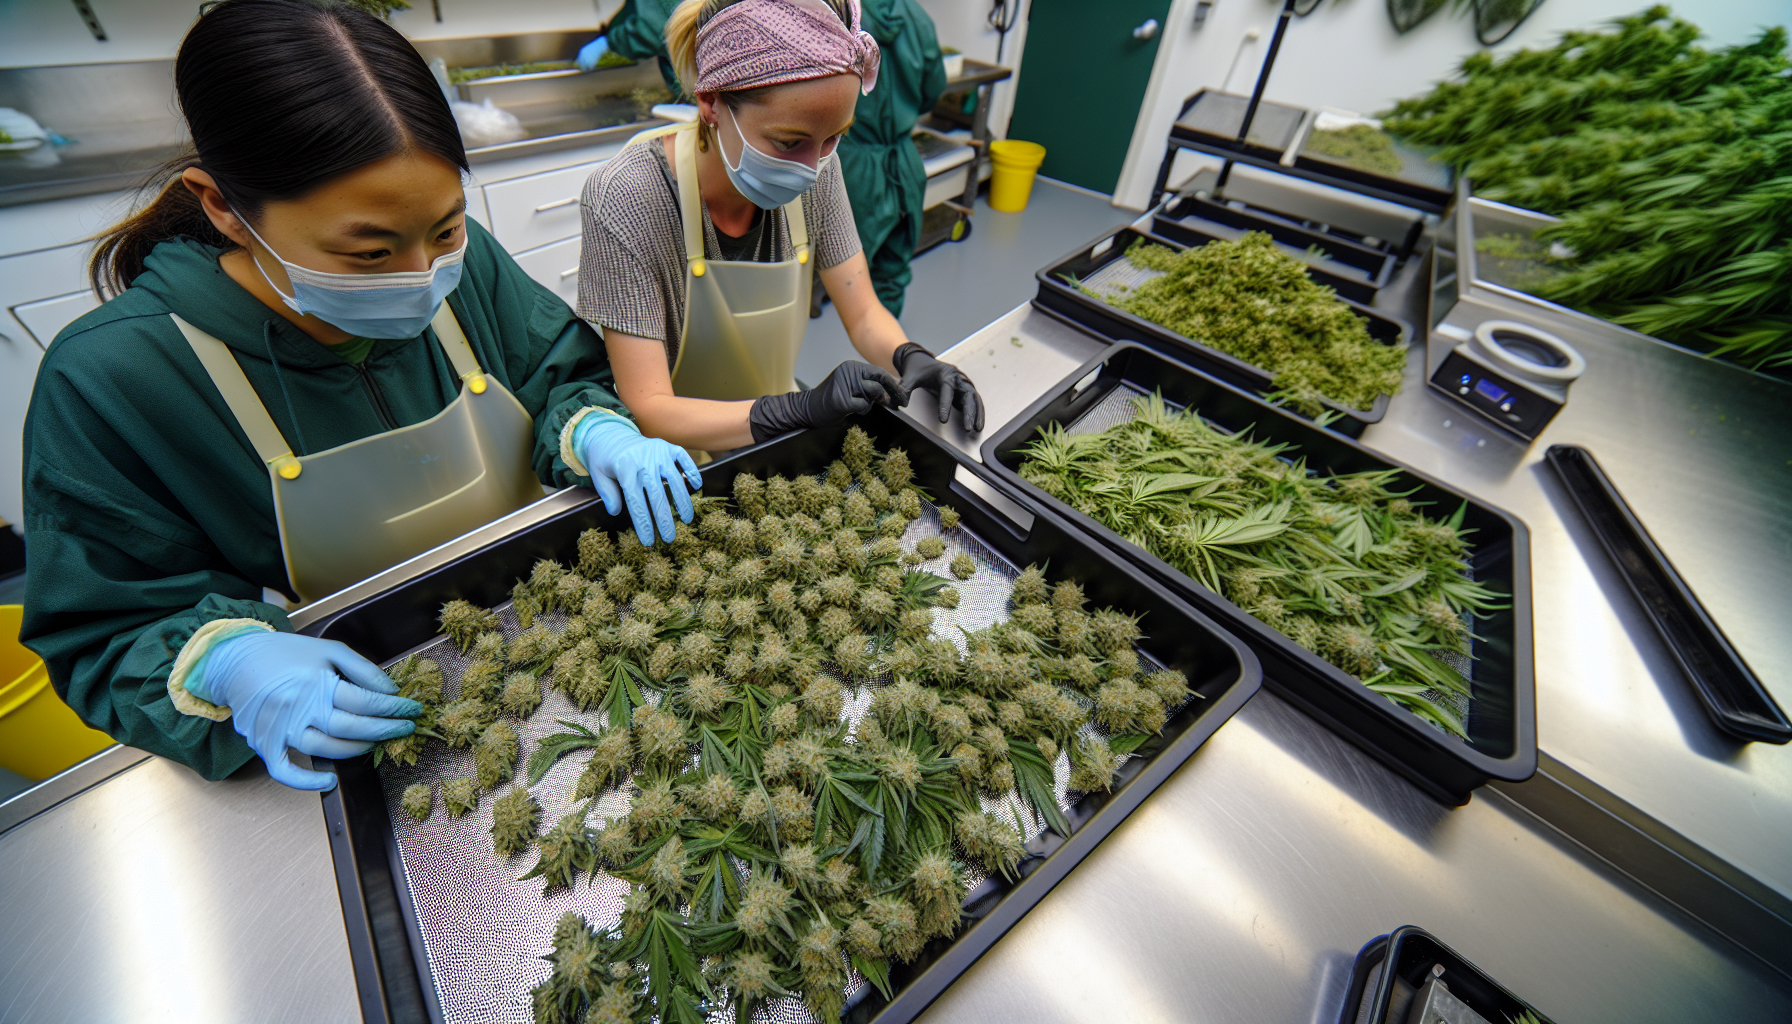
(1511, 373)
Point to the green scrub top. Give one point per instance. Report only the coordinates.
(148, 512)
(884, 176)
(638, 31)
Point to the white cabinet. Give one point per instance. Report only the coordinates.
(47, 317)
(532, 211)
(556, 266)
(40, 292)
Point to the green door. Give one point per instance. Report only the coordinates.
(1082, 81)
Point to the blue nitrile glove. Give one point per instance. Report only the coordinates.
(592, 52)
(625, 466)
(291, 692)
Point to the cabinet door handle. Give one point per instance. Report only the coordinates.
(556, 204)
(564, 274)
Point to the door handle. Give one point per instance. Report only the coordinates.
(556, 204)
(1148, 30)
(564, 274)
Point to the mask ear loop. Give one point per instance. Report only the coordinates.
(292, 301)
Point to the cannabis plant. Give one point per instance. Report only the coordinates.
(1669, 164)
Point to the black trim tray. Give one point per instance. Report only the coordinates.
(1354, 270)
(391, 971)
(1058, 295)
(1732, 695)
(1502, 722)
(1380, 995)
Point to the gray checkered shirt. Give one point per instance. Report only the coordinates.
(632, 260)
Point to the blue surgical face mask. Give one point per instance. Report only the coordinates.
(768, 182)
(393, 305)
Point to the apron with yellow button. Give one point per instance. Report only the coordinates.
(744, 321)
(360, 508)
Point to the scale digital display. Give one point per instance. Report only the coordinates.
(1490, 391)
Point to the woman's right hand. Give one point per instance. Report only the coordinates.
(627, 468)
(289, 692)
(853, 388)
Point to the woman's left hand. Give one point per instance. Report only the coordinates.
(627, 468)
(920, 370)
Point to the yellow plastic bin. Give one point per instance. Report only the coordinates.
(1016, 165)
(39, 735)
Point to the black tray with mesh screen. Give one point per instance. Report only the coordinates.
(1102, 267)
(1501, 711)
(395, 907)
(1213, 118)
(1420, 177)
(1394, 978)
(1355, 271)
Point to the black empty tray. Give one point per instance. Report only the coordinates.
(1501, 720)
(1736, 701)
(1391, 972)
(1057, 294)
(1355, 271)
(391, 971)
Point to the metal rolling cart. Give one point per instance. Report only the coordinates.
(942, 135)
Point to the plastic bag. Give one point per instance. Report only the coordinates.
(485, 124)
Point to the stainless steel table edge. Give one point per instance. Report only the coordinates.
(70, 782)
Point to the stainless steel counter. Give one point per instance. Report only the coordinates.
(1240, 891)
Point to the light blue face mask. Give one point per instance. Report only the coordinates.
(769, 182)
(393, 305)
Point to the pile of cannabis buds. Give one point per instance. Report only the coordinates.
(769, 843)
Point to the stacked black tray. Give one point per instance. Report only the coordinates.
(393, 974)
(1058, 294)
(1502, 741)
(1390, 979)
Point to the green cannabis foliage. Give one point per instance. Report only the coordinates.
(1670, 165)
(770, 840)
(1345, 567)
(1249, 299)
(1361, 146)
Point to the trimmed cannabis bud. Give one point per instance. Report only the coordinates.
(461, 722)
(419, 800)
(930, 547)
(460, 796)
(858, 450)
(610, 761)
(515, 817)
(946, 598)
(964, 566)
(522, 695)
(991, 840)
(420, 679)
(566, 850)
(596, 553)
(948, 517)
(494, 756)
(463, 621)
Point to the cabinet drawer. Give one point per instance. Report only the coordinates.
(47, 317)
(541, 208)
(556, 266)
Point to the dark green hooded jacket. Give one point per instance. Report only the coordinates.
(638, 31)
(885, 179)
(147, 511)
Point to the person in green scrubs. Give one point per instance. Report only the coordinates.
(314, 366)
(638, 31)
(884, 176)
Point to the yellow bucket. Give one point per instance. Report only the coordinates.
(1016, 165)
(39, 734)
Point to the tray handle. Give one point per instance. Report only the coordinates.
(1002, 508)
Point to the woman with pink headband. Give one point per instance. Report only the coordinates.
(699, 239)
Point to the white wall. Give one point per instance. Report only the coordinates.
(965, 24)
(1347, 55)
(39, 32)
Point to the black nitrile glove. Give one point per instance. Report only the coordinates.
(852, 388)
(920, 370)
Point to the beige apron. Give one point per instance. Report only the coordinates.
(363, 507)
(743, 321)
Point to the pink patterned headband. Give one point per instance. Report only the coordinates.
(769, 42)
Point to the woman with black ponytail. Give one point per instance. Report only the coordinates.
(313, 366)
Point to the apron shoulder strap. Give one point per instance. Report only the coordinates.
(228, 377)
(799, 229)
(690, 201)
(459, 351)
